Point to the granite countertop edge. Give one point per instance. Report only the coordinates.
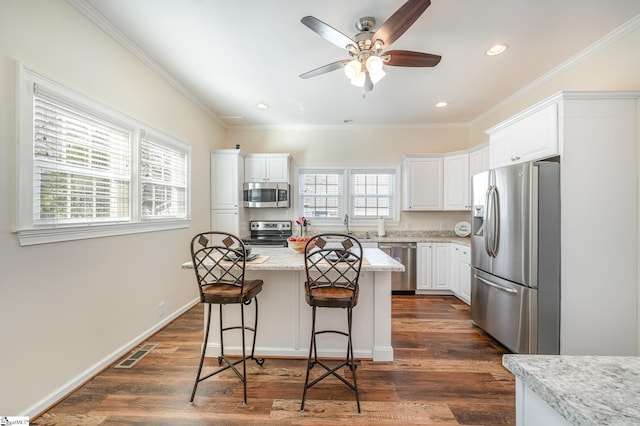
(585, 390)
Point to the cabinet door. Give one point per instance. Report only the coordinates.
(537, 135)
(460, 268)
(440, 266)
(423, 275)
(500, 148)
(456, 182)
(464, 269)
(454, 278)
(479, 161)
(277, 169)
(226, 221)
(225, 190)
(254, 169)
(422, 189)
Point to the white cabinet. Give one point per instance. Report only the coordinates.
(460, 278)
(479, 160)
(433, 266)
(456, 182)
(529, 136)
(227, 174)
(422, 187)
(267, 168)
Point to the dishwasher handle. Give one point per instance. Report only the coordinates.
(396, 245)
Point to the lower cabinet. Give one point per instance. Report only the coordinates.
(460, 274)
(444, 268)
(433, 270)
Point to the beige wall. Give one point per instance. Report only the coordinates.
(66, 307)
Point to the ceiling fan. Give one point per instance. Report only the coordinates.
(365, 66)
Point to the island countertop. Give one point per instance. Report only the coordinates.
(287, 259)
(585, 390)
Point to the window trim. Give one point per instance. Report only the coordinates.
(347, 196)
(30, 233)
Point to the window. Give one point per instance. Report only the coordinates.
(86, 170)
(365, 194)
(373, 194)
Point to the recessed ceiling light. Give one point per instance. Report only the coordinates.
(262, 105)
(441, 104)
(496, 49)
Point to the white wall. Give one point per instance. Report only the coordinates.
(66, 307)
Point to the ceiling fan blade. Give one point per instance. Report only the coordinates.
(327, 32)
(400, 21)
(325, 69)
(407, 58)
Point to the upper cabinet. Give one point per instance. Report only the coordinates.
(526, 137)
(479, 160)
(422, 178)
(267, 168)
(456, 182)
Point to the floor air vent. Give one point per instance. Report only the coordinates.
(131, 360)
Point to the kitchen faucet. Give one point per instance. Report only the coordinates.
(346, 223)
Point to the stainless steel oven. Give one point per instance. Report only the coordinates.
(266, 194)
(272, 233)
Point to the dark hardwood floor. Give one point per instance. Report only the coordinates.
(445, 372)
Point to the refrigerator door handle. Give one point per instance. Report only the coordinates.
(495, 222)
(488, 229)
(494, 285)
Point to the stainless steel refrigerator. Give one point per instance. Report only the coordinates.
(515, 256)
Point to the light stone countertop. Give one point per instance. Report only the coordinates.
(287, 259)
(585, 390)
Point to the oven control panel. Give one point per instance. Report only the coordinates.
(271, 225)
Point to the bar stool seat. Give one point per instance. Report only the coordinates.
(219, 261)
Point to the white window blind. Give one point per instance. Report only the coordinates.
(373, 193)
(81, 166)
(321, 193)
(163, 177)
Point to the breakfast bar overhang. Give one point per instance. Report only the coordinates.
(284, 318)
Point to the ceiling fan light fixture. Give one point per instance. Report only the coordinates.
(359, 79)
(377, 76)
(374, 64)
(352, 69)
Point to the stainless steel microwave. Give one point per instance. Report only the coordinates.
(266, 194)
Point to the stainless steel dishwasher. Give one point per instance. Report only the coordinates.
(405, 253)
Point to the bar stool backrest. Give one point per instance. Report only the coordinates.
(218, 259)
(333, 260)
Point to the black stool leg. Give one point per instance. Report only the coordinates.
(312, 348)
(204, 349)
(244, 357)
(351, 358)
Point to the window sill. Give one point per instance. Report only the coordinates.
(28, 237)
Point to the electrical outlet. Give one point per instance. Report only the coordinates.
(409, 226)
(443, 225)
(161, 309)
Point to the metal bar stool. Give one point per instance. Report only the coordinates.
(219, 260)
(332, 266)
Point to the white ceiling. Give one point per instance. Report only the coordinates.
(230, 55)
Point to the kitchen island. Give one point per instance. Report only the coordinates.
(284, 318)
(576, 390)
